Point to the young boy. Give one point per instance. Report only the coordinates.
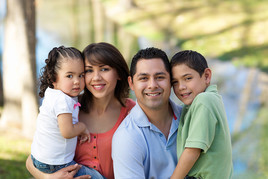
(203, 143)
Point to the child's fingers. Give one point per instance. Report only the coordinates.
(83, 139)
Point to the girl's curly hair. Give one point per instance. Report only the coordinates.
(53, 64)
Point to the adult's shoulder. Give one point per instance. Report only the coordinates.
(130, 103)
(83, 116)
(128, 134)
(129, 126)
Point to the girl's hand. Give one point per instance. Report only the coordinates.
(85, 136)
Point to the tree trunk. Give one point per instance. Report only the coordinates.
(29, 92)
(19, 67)
(75, 23)
(91, 22)
(244, 100)
(99, 20)
(127, 43)
(109, 31)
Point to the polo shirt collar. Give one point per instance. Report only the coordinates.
(139, 116)
(177, 113)
(142, 121)
(211, 88)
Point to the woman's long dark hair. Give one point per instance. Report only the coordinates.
(107, 54)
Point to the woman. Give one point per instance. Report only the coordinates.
(104, 104)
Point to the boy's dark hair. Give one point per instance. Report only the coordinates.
(149, 53)
(107, 54)
(190, 58)
(53, 64)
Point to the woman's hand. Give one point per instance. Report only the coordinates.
(64, 173)
(68, 173)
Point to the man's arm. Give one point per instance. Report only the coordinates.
(128, 156)
(186, 162)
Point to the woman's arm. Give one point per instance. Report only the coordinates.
(187, 160)
(65, 173)
(34, 171)
(67, 128)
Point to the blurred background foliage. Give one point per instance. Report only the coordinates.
(232, 30)
(229, 30)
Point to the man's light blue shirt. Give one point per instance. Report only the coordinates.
(140, 149)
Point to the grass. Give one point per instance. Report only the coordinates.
(14, 151)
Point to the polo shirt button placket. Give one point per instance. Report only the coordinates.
(95, 147)
(163, 138)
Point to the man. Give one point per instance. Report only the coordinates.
(144, 145)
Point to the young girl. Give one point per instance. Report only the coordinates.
(55, 139)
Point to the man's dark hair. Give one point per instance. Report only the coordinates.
(149, 53)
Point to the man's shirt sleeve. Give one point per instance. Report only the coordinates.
(128, 155)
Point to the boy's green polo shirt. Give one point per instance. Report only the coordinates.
(204, 125)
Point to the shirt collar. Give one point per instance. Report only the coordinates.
(211, 88)
(139, 116)
(142, 121)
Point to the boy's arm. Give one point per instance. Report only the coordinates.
(67, 129)
(186, 162)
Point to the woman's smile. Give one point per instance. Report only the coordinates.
(98, 86)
